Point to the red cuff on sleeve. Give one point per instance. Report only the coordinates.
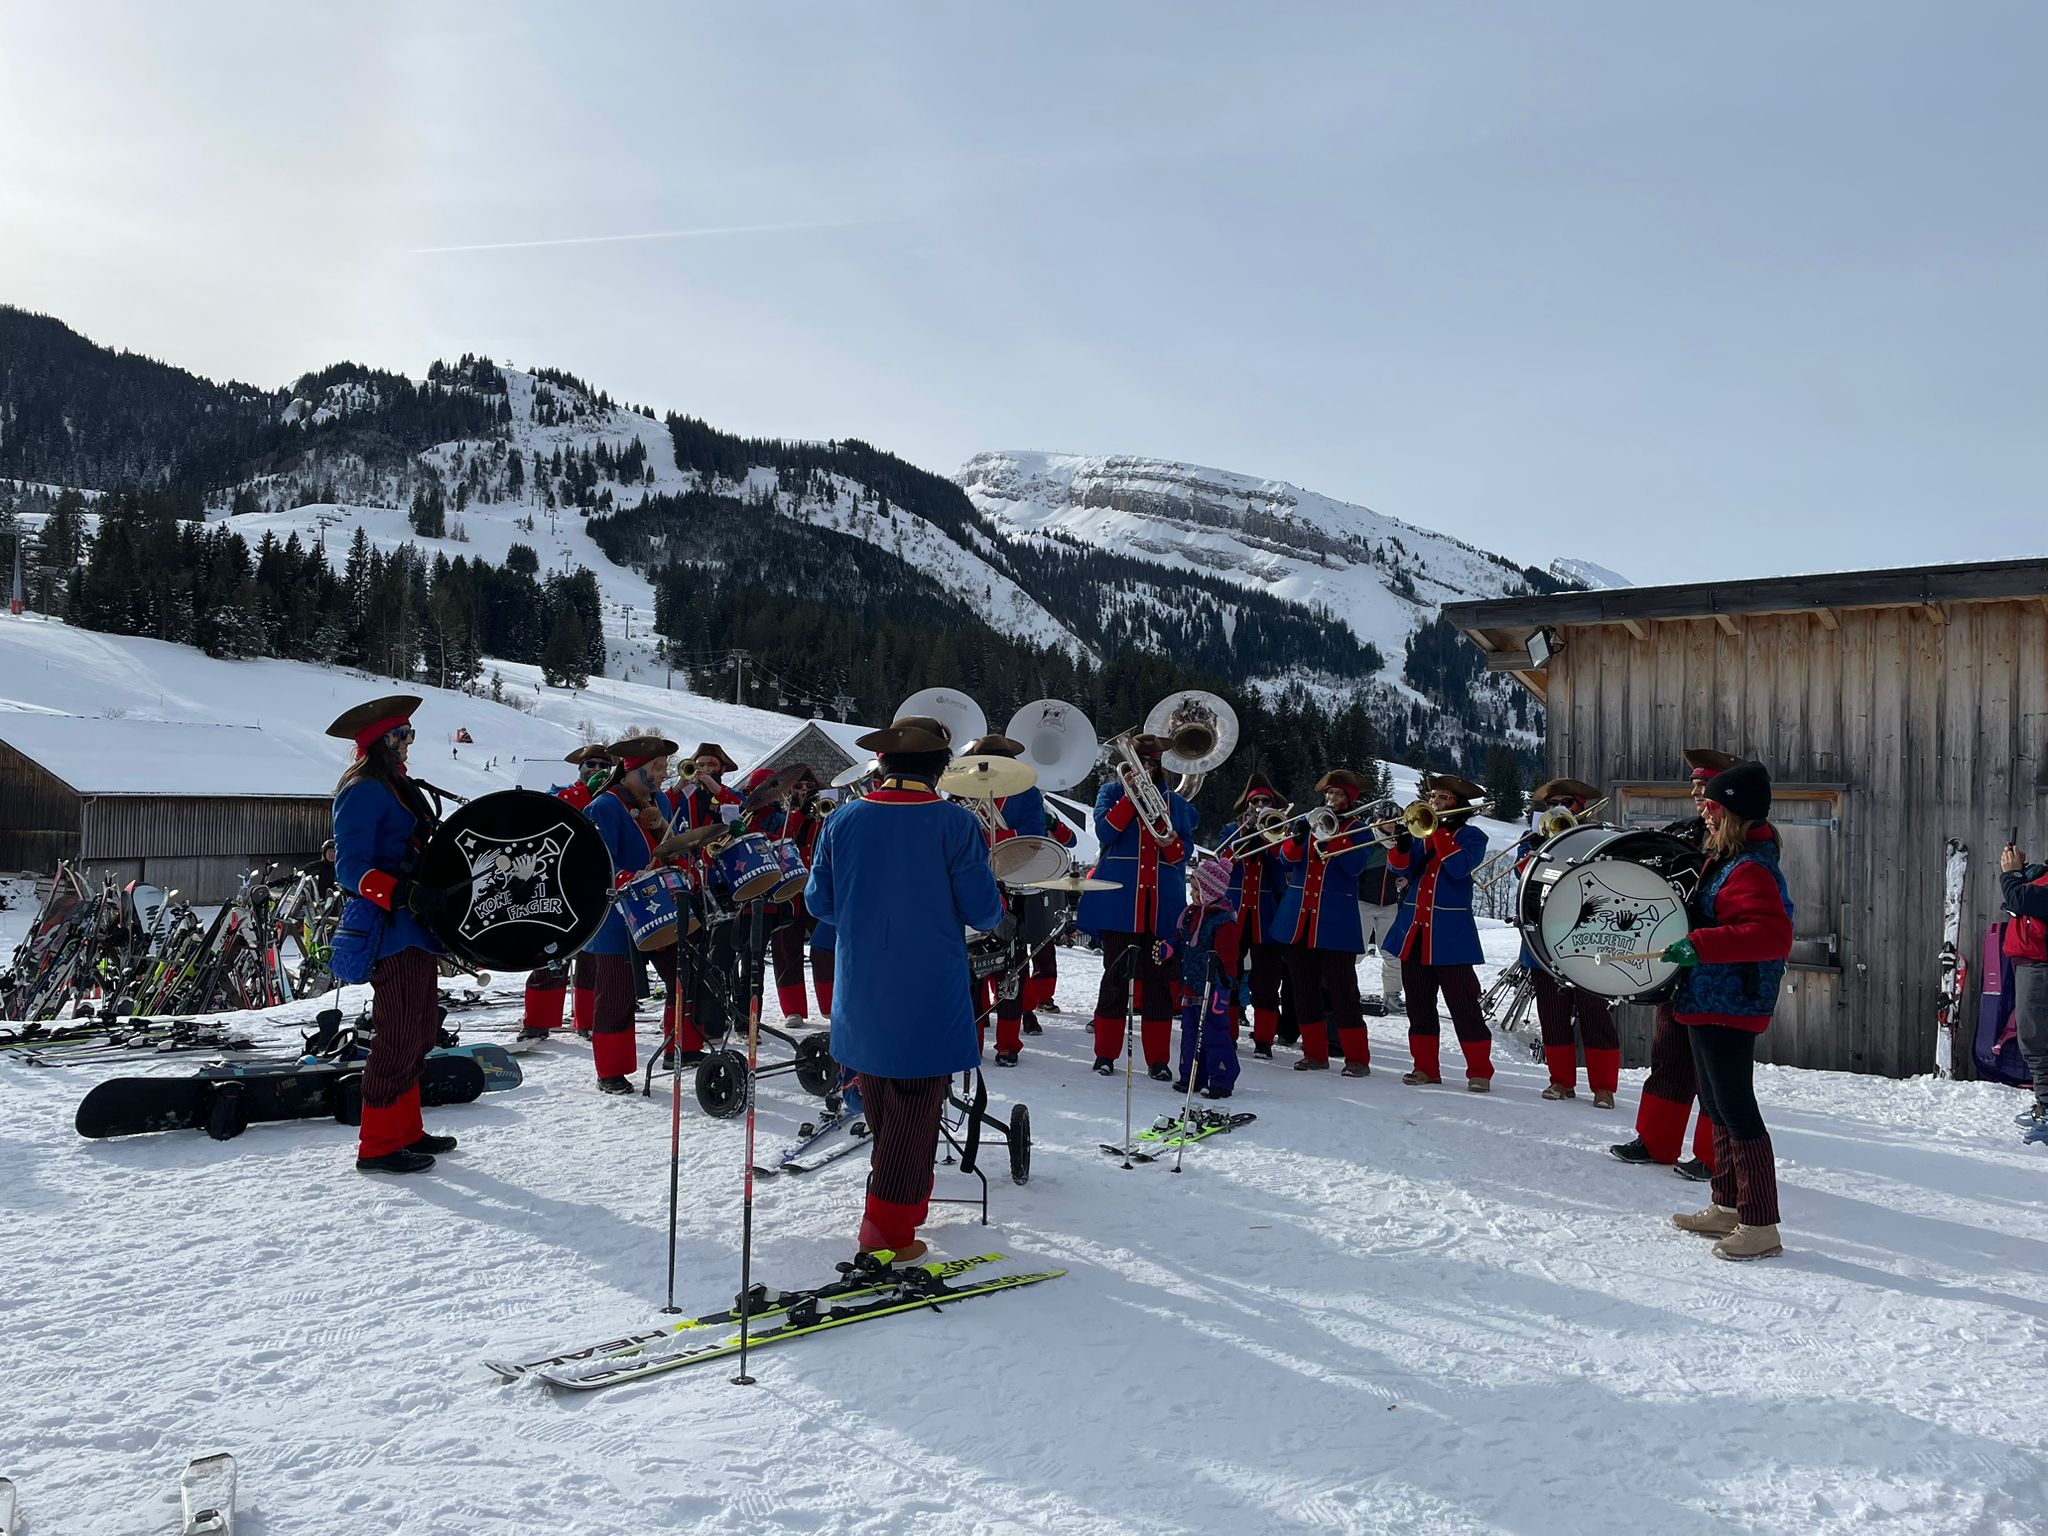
(377, 886)
(1444, 840)
(1173, 850)
(1120, 814)
(1291, 850)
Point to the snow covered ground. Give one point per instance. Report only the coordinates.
(1376, 1309)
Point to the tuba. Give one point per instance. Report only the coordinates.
(1202, 728)
(1058, 742)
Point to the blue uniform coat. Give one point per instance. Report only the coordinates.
(376, 843)
(1024, 814)
(1257, 882)
(632, 851)
(902, 875)
(1320, 908)
(1435, 926)
(1152, 880)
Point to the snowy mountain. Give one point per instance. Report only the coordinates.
(477, 507)
(1381, 578)
(1584, 573)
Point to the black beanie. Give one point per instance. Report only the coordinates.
(1744, 789)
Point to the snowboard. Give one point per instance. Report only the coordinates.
(207, 1490)
(501, 1070)
(223, 1100)
(1955, 970)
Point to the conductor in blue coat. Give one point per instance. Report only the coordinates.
(901, 876)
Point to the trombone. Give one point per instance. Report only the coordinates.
(1558, 821)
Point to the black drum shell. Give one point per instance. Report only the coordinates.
(533, 856)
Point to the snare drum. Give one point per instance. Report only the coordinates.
(746, 867)
(1025, 860)
(648, 903)
(794, 873)
(1593, 894)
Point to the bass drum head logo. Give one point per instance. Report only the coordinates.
(1599, 913)
(529, 880)
(513, 880)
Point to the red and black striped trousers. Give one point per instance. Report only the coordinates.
(406, 1008)
(903, 1122)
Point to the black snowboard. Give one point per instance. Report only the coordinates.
(222, 1101)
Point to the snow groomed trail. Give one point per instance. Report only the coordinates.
(1378, 1308)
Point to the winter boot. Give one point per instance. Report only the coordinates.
(1310, 1064)
(1263, 1049)
(1747, 1242)
(1357, 1069)
(1603, 1098)
(1714, 1221)
(1420, 1079)
(1479, 1085)
(1557, 1091)
(1633, 1151)
(615, 1085)
(1007, 1058)
(1160, 1072)
(1693, 1168)
(1105, 1066)
(430, 1143)
(404, 1160)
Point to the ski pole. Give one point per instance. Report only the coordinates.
(1131, 1027)
(1196, 1061)
(757, 943)
(673, 1045)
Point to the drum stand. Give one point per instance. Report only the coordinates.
(966, 1119)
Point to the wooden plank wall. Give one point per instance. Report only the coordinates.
(1938, 725)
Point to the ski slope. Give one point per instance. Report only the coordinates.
(1377, 1309)
(49, 667)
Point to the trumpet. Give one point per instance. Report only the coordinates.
(1421, 818)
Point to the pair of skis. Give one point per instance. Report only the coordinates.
(1169, 1133)
(832, 1136)
(206, 1489)
(863, 1294)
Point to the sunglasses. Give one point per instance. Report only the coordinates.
(401, 736)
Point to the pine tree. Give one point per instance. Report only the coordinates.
(1504, 782)
(565, 663)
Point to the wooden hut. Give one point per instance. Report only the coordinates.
(1895, 709)
(179, 805)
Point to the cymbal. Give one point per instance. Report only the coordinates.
(679, 843)
(987, 778)
(773, 788)
(1076, 883)
(856, 773)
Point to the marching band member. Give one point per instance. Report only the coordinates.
(1734, 962)
(1557, 1001)
(1669, 1090)
(381, 822)
(701, 799)
(903, 873)
(546, 986)
(1256, 885)
(1318, 918)
(790, 922)
(1021, 815)
(1045, 964)
(631, 821)
(1379, 904)
(1436, 938)
(1144, 908)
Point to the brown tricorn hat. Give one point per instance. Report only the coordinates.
(1257, 784)
(1145, 744)
(1564, 789)
(366, 722)
(1344, 779)
(713, 749)
(596, 752)
(993, 746)
(1456, 785)
(635, 750)
(1705, 762)
(908, 733)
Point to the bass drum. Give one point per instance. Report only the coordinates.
(1593, 895)
(529, 880)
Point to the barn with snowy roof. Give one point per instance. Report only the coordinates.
(183, 806)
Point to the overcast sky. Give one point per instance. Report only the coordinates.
(1691, 290)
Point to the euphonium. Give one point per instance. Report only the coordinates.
(1146, 797)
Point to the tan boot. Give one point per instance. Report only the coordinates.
(1558, 1091)
(1750, 1243)
(1714, 1221)
(1603, 1098)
